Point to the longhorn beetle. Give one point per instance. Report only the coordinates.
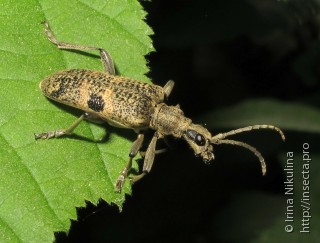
(128, 103)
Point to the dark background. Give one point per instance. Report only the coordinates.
(219, 53)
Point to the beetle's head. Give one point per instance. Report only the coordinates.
(199, 139)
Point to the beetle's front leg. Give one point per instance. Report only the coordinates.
(148, 160)
(133, 152)
(168, 88)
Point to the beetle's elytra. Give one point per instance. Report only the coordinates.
(132, 104)
(116, 99)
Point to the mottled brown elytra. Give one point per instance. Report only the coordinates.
(127, 103)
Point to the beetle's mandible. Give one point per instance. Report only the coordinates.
(132, 104)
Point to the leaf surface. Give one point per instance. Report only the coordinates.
(42, 182)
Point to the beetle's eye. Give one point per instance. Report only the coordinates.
(199, 140)
(196, 137)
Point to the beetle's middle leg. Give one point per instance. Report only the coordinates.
(105, 57)
(133, 152)
(147, 164)
(149, 158)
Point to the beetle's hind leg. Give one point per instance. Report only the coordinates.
(69, 130)
(105, 57)
(61, 132)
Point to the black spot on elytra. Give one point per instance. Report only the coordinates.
(96, 103)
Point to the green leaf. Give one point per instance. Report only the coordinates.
(291, 116)
(42, 182)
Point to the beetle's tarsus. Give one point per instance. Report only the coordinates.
(51, 134)
(120, 183)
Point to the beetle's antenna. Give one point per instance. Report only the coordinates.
(221, 136)
(247, 146)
